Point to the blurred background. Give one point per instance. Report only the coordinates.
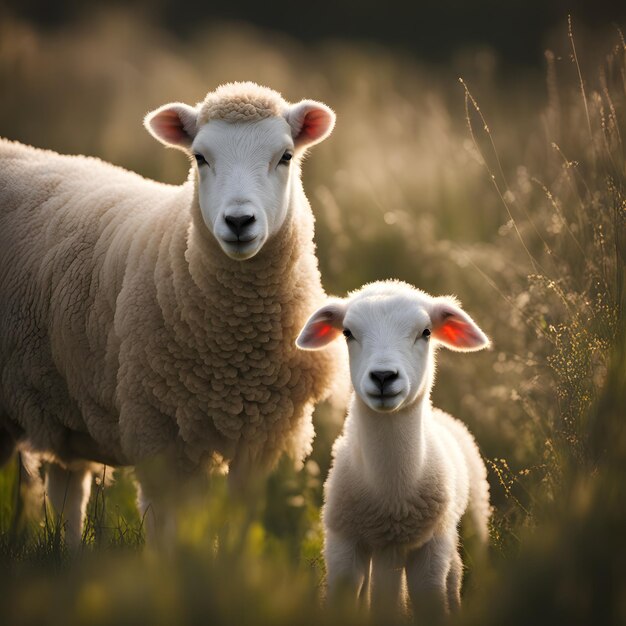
(506, 188)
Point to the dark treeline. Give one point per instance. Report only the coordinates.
(517, 30)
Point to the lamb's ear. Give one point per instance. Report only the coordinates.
(454, 328)
(310, 121)
(173, 124)
(323, 326)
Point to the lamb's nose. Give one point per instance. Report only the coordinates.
(382, 377)
(239, 224)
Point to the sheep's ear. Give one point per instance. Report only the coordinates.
(173, 125)
(323, 326)
(454, 328)
(310, 121)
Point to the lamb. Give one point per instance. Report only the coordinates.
(143, 321)
(403, 472)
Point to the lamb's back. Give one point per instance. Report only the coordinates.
(477, 498)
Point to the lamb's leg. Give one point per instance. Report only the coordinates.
(427, 572)
(68, 491)
(387, 595)
(347, 567)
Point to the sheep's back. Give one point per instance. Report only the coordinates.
(66, 224)
(122, 336)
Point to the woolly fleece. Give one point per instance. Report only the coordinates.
(125, 331)
(436, 503)
(241, 102)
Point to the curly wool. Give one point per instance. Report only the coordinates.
(126, 332)
(240, 102)
(352, 510)
(378, 524)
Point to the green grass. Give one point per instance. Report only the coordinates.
(504, 190)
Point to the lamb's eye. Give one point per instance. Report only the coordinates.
(200, 160)
(347, 333)
(426, 333)
(284, 160)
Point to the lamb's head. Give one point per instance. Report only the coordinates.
(247, 142)
(392, 330)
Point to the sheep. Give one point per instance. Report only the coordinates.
(143, 321)
(403, 472)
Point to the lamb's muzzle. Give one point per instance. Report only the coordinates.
(381, 378)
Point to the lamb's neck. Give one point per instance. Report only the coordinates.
(391, 448)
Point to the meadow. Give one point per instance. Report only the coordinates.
(507, 189)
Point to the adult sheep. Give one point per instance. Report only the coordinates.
(140, 320)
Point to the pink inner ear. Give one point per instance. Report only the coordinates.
(317, 335)
(322, 327)
(314, 126)
(168, 125)
(457, 333)
(321, 330)
(451, 331)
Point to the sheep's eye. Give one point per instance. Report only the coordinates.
(347, 333)
(286, 158)
(200, 160)
(426, 333)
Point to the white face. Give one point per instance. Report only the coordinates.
(244, 181)
(392, 330)
(246, 170)
(389, 351)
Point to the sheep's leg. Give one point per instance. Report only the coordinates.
(453, 583)
(245, 479)
(7, 446)
(31, 486)
(387, 595)
(68, 491)
(246, 487)
(427, 571)
(347, 567)
(158, 518)
(29, 493)
(364, 593)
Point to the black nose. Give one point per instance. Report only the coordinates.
(381, 378)
(239, 224)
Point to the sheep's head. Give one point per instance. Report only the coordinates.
(246, 142)
(392, 330)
